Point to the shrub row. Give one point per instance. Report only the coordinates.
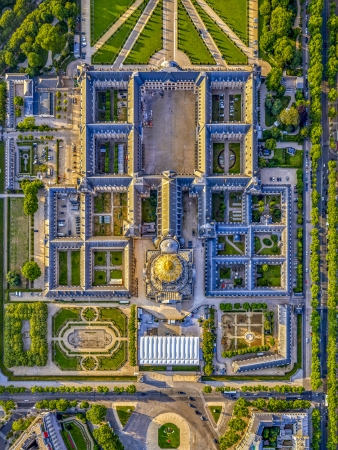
(244, 351)
(284, 388)
(246, 306)
(132, 329)
(332, 261)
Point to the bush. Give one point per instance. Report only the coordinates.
(13, 278)
(207, 389)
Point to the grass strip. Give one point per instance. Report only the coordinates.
(108, 53)
(75, 264)
(150, 40)
(229, 50)
(190, 41)
(104, 15)
(235, 14)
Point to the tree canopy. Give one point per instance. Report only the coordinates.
(96, 414)
(31, 270)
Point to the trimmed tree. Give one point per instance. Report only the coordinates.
(31, 270)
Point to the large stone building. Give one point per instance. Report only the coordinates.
(176, 141)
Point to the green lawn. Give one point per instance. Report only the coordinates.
(100, 277)
(64, 362)
(185, 368)
(110, 50)
(116, 360)
(63, 315)
(218, 207)
(234, 13)
(272, 275)
(124, 412)
(224, 273)
(89, 314)
(217, 148)
(190, 41)
(149, 206)
(258, 244)
(18, 234)
(105, 14)
(116, 258)
(286, 160)
(229, 249)
(229, 50)
(76, 436)
(115, 274)
(150, 40)
(63, 268)
(153, 368)
(116, 316)
(169, 432)
(75, 263)
(100, 258)
(236, 149)
(215, 412)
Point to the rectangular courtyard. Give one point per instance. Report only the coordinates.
(169, 131)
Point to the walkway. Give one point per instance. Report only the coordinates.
(170, 29)
(206, 36)
(145, 16)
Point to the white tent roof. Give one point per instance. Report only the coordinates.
(167, 350)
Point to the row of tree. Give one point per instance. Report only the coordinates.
(60, 404)
(299, 271)
(278, 35)
(284, 388)
(246, 306)
(332, 63)
(208, 341)
(3, 96)
(332, 292)
(316, 429)
(30, 189)
(315, 75)
(14, 353)
(132, 331)
(244, 351)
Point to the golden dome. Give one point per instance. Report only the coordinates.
(167, 268)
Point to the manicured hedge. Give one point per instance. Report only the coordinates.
(14, 353)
